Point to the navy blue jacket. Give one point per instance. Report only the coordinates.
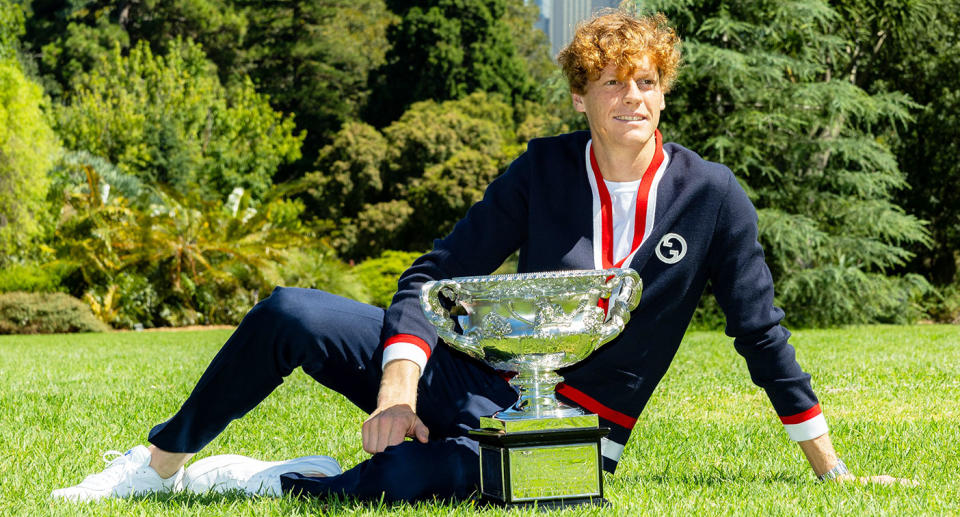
(543, 205)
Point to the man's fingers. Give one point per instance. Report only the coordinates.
(368, 435)
(420, 431)
(389, 427)
(880, 480)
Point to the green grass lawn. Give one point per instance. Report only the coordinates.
(708, 443)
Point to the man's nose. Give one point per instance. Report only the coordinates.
(633, 93)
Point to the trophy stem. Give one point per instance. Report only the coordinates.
(537, 396)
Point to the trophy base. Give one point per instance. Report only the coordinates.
(549, 504)
(549, 468)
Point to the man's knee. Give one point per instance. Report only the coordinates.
(281, 303)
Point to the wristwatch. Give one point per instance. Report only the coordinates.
(838, 470)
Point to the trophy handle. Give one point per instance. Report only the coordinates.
(626, 287)
(439, 316)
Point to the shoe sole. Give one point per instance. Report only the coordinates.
(306, 465)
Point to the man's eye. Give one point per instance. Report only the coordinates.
(611, 82)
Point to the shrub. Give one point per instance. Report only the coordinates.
(943, 305)
(319, 268)
(30, 278)
(45, 313)
(380, 274)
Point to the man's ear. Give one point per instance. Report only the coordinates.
(578, 103)
(663, 101)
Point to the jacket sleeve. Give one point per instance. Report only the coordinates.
(493, 228)
(743, 287)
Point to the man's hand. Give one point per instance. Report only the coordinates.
(879, 480)
(819, 452)
(388, 426)
(395, 416)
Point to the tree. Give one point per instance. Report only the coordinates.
(11, 28)
(531, 43)
(313, 60)
(765, 92)
(28, 148)
(70, 38)
(446, 49)
(309, 59)
(168, 120)
(914, 47)
(402, 187)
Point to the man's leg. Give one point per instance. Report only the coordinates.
(336, 340)
(454, 393)
(445, 468)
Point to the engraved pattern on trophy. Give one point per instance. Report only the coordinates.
(532, 324)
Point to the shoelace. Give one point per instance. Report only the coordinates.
(115, 454)
(116, 467)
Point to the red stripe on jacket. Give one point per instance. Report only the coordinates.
(799, 418)
(591, 404)
(606, 205)
(409, 338)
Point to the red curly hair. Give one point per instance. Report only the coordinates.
(615, 36)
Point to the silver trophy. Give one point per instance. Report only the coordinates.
(534, 324)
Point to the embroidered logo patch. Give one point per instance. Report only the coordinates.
(671, 248)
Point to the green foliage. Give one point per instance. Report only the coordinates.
(767, 91)
(318, 267)
(944, 305)
(379, 275)
(28, 148)
(30, 278)
(531, 43)
(181, 260)
(167, 120)
(70, 38)
(310, 59)
(11, 28)
(313, 59)
(914, 47)
(45, 313)
(69, 176)
(445, 49)
(404, 186)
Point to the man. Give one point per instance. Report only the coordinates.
(614, 196)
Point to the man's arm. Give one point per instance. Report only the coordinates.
(395, 416)
(819, 452)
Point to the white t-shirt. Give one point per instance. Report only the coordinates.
(623, 198)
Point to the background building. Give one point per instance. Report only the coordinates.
(558, 18)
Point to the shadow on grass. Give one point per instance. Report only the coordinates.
(330, 504)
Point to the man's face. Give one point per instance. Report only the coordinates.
(623, 112)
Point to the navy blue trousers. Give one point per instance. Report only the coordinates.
(337, 342)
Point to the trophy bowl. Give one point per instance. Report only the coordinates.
(532, 324)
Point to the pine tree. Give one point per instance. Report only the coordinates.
(767, 91)
(446, 49)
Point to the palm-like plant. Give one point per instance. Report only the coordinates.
(203, 242)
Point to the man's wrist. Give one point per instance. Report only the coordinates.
(398, 386)
(840, 469)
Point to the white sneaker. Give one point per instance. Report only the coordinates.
(254, 477)
(128, 475)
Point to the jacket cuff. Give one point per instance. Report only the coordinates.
(406, 346)
(805, 426)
